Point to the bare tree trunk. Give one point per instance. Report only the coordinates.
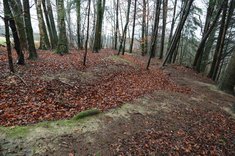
(121, 47)
(17, 46)
(62, 45)
(44, 41)
(179, 28)
(16, 8)
(155, 33)
(29, 31)
(220, 48)
(87, 33)
(133, 28)
(117, 26)
(7, 35)
(165, 7)
(78, 9)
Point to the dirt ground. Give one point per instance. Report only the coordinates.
(158, 123)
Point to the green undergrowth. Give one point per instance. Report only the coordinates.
(52, 126)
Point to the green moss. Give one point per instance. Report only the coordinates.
(86, 113)
(18, 131)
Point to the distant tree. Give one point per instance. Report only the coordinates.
(44, 40)
(155, 33)
(133, 27)
(177, 34)
(78, 11)
(164, 18)
(98, 28)
(116, 25)
(122, 46)
(62, 45)
(29, 31)
(87, 33)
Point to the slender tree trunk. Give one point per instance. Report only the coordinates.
(62, 45)
(48, 23)
(99, 21)
(155, 34)
(29, 31)
(143, 35)
(52, 23)
(16, 8)
(171, 31)
(44, 41)
(165, 7)
(121, 47)
(229, 15)
(17, 46)
(78, 9)
(87, 33)
(117, 26)
(7, 35)
(207, 31)
(179, 28)
(133, 27)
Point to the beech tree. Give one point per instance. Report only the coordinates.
(29, 31)
(62, 45)
(98, 29)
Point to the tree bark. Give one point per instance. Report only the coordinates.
(62, 45)
(133, 27)
(17, 46)
(165, 7)
(179, 28)
(16, 8)
(87, 33)
(98, 29)
(154, 34)
(122, 47)
(29, 31)
(117, 26)
(78, 9)
(7, 35)
(44, 41)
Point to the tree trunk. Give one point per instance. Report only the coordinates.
(16, 8)
(133, 28)
(99, 21)
(221, 38)
(154, 34)
(78, 9)
(144, 35)
(62, 45)
(52, 22)
(87, 33)
(165, 7)
(207, 31)
(7, 35)
(117, 26)
(29, 31)
(44, 41)
(48, 23)
(227, 82)
(179, 28)
(121, 47)
(17, 46)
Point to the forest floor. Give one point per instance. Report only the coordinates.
(144, 112)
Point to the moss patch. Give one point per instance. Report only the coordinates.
(87, 113)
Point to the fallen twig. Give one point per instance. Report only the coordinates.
(20, 78)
